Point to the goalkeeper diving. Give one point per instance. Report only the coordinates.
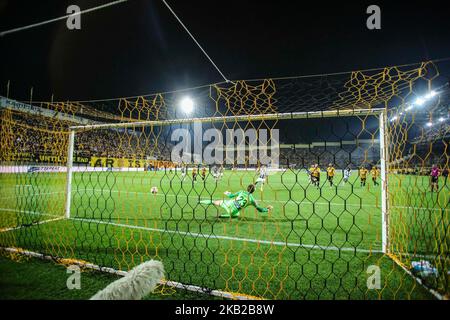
(237, 201)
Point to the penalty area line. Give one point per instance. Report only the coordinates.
(30, 224)
(193, 234)
(297, 202)
(31, 195)
(30, 212)
(206, 236)
(210, 236)
(290, 201)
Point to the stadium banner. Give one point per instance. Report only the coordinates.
(34, 110)
(129, 163)
(82, 163)
(42, 158)
(31, 169)
(58, 169)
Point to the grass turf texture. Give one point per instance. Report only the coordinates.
(116, 221)
(25, 278)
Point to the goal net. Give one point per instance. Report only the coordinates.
(345, 202)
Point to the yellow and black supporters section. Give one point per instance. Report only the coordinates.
(350, 196)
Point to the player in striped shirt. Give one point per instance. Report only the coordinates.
(363, 175)
(262, 177)
(330, 174)
(375, 173)
(347, 173)
(315, 175)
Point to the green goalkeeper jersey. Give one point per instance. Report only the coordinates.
(241, 200)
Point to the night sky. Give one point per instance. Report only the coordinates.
(138, 47)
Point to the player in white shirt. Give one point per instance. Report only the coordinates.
(262, 177)
(183, 171)
(347, 173)
(217, 172)
(214, 172)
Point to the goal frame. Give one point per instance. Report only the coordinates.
(384, 156)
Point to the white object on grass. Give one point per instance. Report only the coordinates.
(135, 285)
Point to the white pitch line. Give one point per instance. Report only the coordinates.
(29, 212)
(174, 284)
(267, 242)
(196, 235)
(31, 195)
(210, 236)
(277, 243)
(278, 201)
(207, 198)
(296, 202)
(30, 225)
(419, 281)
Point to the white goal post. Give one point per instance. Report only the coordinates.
(384, 157)
(380, 112)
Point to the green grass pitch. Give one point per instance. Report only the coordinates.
(316, 244)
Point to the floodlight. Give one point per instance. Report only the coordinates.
(419, 101)
(431, 94)
(187, 105)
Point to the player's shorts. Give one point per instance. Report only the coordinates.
(434, 179)
(314, 179)
(230, 209)
(261, 180)
(363, 179)
(330, 178)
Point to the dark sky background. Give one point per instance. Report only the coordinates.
(138, 47)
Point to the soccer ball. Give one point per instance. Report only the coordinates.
(154, 190)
